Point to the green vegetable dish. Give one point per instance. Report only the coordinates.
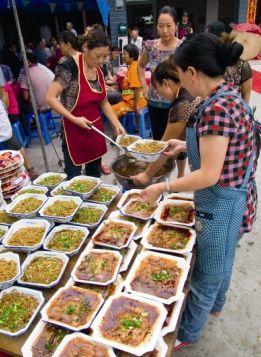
(30, 190)
(5, 219)
(16, 310)
(27, 205)
(82, 185)
(50, 180)
(43, 270)
(103, 194)
(66, 240)
(2, 233)
(87, 215)
(61, 209)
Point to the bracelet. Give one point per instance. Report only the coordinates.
(168, 189)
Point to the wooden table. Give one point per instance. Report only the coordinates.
(13, 345)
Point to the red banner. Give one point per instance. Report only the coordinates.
(251, 11)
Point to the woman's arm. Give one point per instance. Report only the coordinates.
(246, 89)
(109, 113)
(211, 146)
(52, 100)
(144, 59)
(136, 100)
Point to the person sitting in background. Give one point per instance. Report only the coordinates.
(68, 45)
(132, 94)
(184, 27)
(241, 73)
(135, 38)
(56, 54)
(42, 52)
(69, 27)
(12, 60)
(109, 72)
(8, 75)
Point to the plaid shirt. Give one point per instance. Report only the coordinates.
(227, 116)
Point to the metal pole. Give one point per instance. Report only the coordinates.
(31, 91)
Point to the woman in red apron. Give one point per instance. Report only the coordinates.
(80, 84)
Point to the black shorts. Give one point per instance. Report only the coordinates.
(12, 144)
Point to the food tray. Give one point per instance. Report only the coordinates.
(111, 187)
(123, 198)
(61, 228)
(36, 181)
(42, 188)
(117, 214)
(123, 210)
(174, 316)
(86, 194)
(93, 282)
(68, 338)
(24, 223)
(119, 137)
(3, 228)
(9, 207)
(30, 257)
(35, 293)
(52, 200)
(151, 340)
(65, 325)
(15, 257)
(180, 196)
(15, 164)
(182, 264)
(189, 246)
(146, 156)
(89, 204)
(99, 229)
(8, 195)
(172, 223)
(61, 185)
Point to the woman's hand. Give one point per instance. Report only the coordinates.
(141, 179)
(82, 122)
(119, 129)
(152, 192)
(175, 148)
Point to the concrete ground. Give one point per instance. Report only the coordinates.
(237, 332)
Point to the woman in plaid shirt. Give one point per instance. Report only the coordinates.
(221, 151)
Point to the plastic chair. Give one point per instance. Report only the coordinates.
(144, 124)
(48, 126)
(128, 122)
(19, 134)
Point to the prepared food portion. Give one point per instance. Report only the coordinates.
(34, 191)
(8, 159)
(27, 205)
(48, 340)
(27, 237)
(183, 213)
(103, 194)
(6, 219)
(60, 208)
(74, 306)
(2, 232)
(42, 270)
(50, 180)
(127, 140)
(114, 233)
(140, 224)
(148, 147)
(8, 270)
(88, 215)
(98, 266)
(66, 240)
(16, 310)
(157, 276)
(105, 290)
(131, 196)
(81, 185)
(143, 210)
(169, 237)
(129, 321)
(79, 346)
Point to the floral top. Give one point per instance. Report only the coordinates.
(156, 56)
(227, 116)
(238, 74)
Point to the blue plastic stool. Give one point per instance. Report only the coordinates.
(128, 122)
(3, 146)
(144, 124)
(19, 134)
(48, 127)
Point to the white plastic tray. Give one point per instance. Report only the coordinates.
(3, 228)
(40, 188)
(30, 257)
(160, 209)
(61, 185)
(151, 340)
(174, 316)
(100, 228)
(124, 197)
(85, 337)
(189, 246)
(117, 214)
(10, 257)
(182, 264)
(123, 210)
(24, 223)
(96, 205)
(59, 323)
(146, 156)
(63, 177)
(36, 294)
(94, 282)
(8, 208)
(119, 137)
(61, 228)
(52, 200)
(82, 177)
(114, 188)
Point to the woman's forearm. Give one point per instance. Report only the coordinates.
(142, 76)
(109, 113)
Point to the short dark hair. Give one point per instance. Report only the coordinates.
(165, 70)
(132, 50)
(69, 37)
(31, 57)
(134, 28)
(115, 48)
(95, 37)
(169, 10)
(207, 53)
(217, 28)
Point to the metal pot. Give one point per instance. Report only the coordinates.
(125, 181)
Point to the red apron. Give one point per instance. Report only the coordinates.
(86, 145)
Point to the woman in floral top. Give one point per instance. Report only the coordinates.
(155, 52)
(221, 150)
